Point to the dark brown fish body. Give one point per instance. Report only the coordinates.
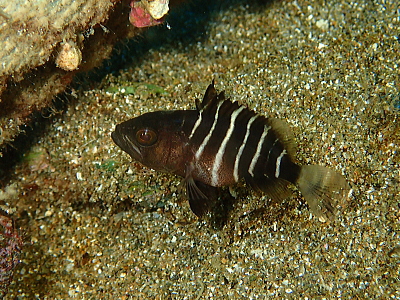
(219, 144)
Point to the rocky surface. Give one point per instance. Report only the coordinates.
(44, 44)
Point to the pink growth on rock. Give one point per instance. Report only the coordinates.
(140, 16)
(10, 248)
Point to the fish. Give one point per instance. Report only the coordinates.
(221, 143)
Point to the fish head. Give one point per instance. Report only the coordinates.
(153, 139)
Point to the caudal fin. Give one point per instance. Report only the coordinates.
(324, 190)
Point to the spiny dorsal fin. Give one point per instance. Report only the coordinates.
(211, 98)
(282, 130)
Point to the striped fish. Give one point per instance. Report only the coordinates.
(220, 143)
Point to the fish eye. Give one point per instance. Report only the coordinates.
(146, 136)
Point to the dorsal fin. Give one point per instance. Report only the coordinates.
(282, 130)
(211, 98)
(285, 135)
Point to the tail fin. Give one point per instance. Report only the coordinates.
(324, 190)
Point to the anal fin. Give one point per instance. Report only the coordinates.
(276, 188)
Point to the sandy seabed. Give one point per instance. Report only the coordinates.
(98, 226)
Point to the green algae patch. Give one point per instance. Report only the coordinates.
(133, 88)
(108, 165)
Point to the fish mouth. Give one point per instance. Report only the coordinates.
(125, 143)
